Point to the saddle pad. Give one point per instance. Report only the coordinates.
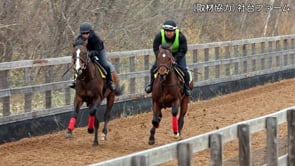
(101, 72)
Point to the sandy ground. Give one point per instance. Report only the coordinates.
(128, 135)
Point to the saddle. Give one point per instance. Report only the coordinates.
(101, 70)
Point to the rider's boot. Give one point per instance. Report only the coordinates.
(149, 87)
(72, 84)
(109, 79)
(186, 89)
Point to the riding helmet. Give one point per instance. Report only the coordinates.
(169, 25)
(85, 27)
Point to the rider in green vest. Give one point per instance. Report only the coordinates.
(170, 34)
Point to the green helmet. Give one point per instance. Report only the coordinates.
(85, 27)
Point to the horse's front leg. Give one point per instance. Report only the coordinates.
(77, 104)
(175, 121)
(96, 120)
(93, 123)
(183, 110)
(96, 126)
(93, 109)
(157, 115)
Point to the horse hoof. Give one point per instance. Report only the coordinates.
(68, 135)
(151, 142)
(95, 144)
(176, 136)
(90, 131)
(103, 137)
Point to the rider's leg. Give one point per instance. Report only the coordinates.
(182, 63)
(106, 65)
(187, 90)
(109, 79)
(72, 84)
(149, 87)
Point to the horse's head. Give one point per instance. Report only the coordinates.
(80, 56)
(165, 60)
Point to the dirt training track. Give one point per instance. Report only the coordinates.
(128, 135)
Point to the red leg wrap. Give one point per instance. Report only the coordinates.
(174, 124)
(91, 122)
(72, 124)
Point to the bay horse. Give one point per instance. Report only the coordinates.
(167, 92)
(91, 88)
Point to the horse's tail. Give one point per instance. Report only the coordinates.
(120, 89)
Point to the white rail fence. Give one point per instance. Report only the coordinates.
(183, 150)
(39, 85)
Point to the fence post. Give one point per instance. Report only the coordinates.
(244, 145)
(132, 69)
(227, 56)
(215, 145)
(285, 52)
(195, 70)
(262, 51)
(270, 53)
(291, 137)
(272, 140)
(206, 68)
(4, 84)
(48, 79)
(139, 161)
(253, 53)
(217, 58)
(245, 63)
(184, 154)
(236, 55)
(28, 96)
(278, 49)
(146, 67)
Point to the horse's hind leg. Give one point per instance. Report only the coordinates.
(94, 112)
(105, 127)
(107, 115)
(96, 126)
(183, 111)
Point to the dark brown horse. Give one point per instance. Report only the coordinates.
(91, 88)
(168, 93)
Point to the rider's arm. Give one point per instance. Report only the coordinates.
(157, 43)
(182, 47)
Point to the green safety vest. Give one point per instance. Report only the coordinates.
(175, 44)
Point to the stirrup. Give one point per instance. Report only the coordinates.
(112, 85)
(72, 84)
(187, 91)
(148, 89)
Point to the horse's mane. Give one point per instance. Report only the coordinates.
(78, 42)
(165, 46)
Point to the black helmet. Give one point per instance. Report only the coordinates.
(85, 27)
(169, 25)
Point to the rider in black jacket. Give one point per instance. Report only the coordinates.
(170, 34)
(96, 50)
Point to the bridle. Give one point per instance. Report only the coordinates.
(77, 68)
(164, 67)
